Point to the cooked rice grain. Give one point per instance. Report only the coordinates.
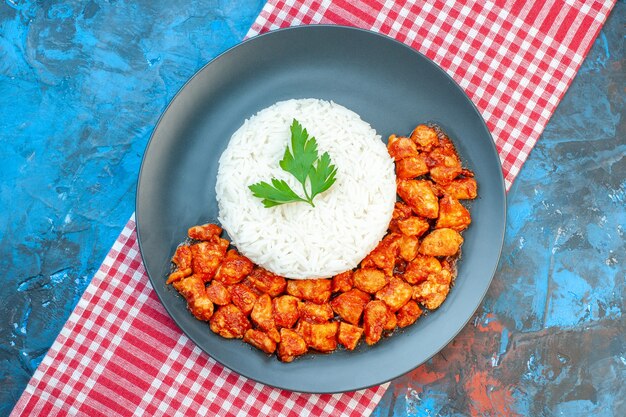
(296, 240)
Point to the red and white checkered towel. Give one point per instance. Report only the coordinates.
(121, 354)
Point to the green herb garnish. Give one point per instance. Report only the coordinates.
(302, 162)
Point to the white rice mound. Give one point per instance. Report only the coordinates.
(296, 240)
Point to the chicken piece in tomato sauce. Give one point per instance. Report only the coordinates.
(342, 282)
(433, 292)
(412, 167)
(349, 335)
(260, 340)
(349, 305)
(408, 314)
(243, 297)
(262, 314)
(400, 148)
(383, 256)
(420, 268)
(375, 317)
(207, 257)
(425, 137)
(234, 268)
(229, 322)
(461, 188)
(407, 247)
(291, 345)
(198, 302)
(441, 242)
(452, 214)
(267, 282)
(315, 290)
(218, 293)
(286, 312)
(419, 195)
(444, 164)
(413, 226)
(320, 336)
(395, 294)
(206, 232)
(315, 313)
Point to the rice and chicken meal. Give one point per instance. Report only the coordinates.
(328, 245)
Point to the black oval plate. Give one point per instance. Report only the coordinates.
(390, 86)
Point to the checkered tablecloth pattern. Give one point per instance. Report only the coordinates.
(121, 354)
(514, 59)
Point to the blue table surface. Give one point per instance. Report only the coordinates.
(82, 85)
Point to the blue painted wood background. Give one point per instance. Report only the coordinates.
(82, 84)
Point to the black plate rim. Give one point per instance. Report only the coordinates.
(437, 68)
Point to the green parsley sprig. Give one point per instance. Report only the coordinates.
(303, 163)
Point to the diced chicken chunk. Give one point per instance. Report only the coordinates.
(267, 282)
(411, 167)
(407, 247)
(316, 290)
(243, 297)
(198, 302)
(182, 257)
(400, 212)
(441, 242)
(320, 336)
(419, 195)
(342, 282)
(383, 256)
(413, 226)
(260, 340)
(433, 292)
(315, 313)
(461, 188)
(206, 232)
(234, 268)
(408, 314)
(291, 345)
(375, 317)
(229, 322)
(452, 214)
(425, 137)
(420, 268)
(444, 164)
(285, 311)
(395, 294)
(400, 147)
(207, 257)
(369, 280)
(218, 293)
(349, 305)
(263, 313)
(349, 335)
